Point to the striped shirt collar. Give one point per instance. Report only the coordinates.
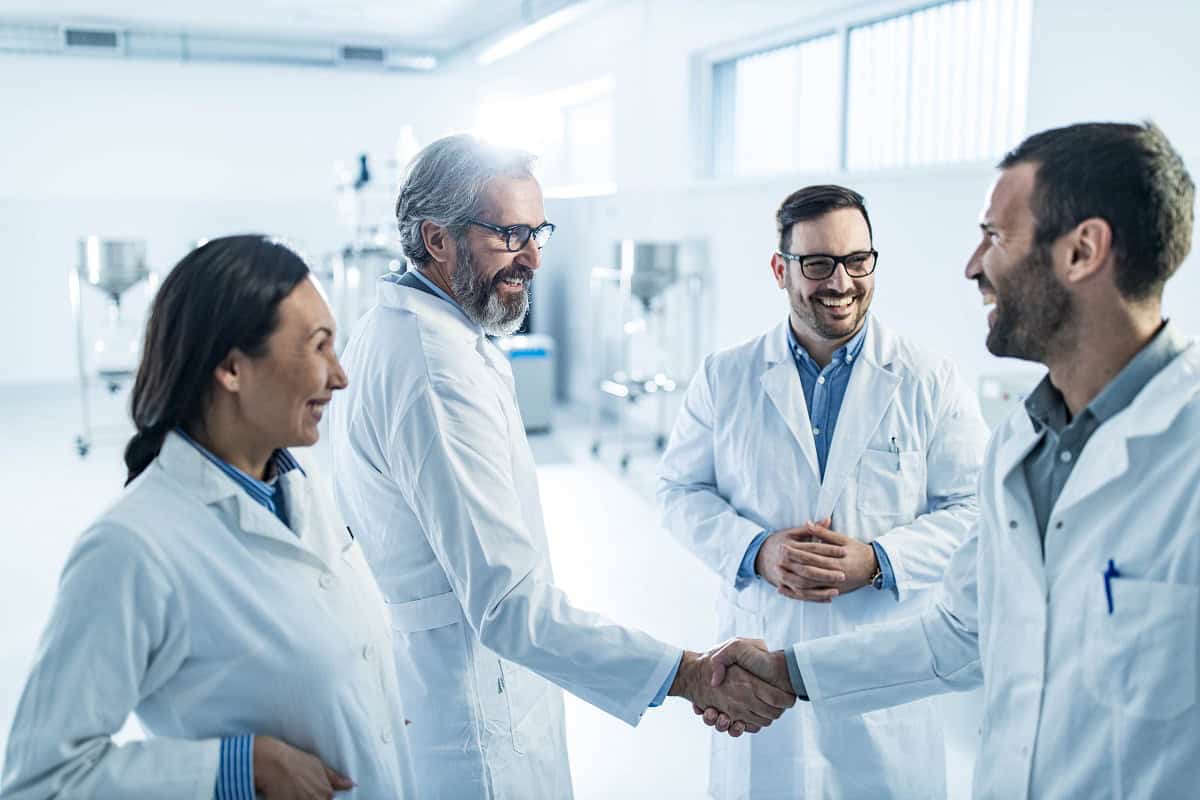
(263, 492)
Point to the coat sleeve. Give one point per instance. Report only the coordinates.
(902, 661)
(692, 508)
(116, 635)
(452, 461)
(920, 550)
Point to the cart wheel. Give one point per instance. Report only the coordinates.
(624, 463)
(595, 449)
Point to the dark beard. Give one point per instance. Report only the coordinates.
(479, 298)
(1033, 310)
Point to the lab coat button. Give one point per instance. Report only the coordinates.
(386, 736)
(368, 653)
(327, 580)
(1012, 523)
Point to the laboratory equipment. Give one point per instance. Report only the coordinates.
(532, 359)
(647, 338)
(1001, 394)
(351, 275)
(108, 340)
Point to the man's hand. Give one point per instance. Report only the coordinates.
(281, 772)
(748, 702)
(751, 655)
(800, 568)
(858, 563)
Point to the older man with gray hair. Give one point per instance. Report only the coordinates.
(437, 482)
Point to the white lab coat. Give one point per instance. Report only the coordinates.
(1080, 702)
(436, 479)
(193, 606)
(741, 460)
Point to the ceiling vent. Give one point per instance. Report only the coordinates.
(92, 40)
(362, 55)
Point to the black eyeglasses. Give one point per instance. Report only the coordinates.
(818, 266)
(517, 236)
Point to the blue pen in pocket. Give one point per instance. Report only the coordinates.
(1109, 574)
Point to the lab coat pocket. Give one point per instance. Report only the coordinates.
(891, 482)
(527, 697)
(1143, 656)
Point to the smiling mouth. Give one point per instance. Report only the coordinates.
(836, 303)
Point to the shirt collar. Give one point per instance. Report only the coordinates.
(847, 353)
(281, 462)
(1046, 407)
(435, 288)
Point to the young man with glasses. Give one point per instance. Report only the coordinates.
(825, 471)
(437, 481)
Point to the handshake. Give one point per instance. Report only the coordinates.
(738, 687)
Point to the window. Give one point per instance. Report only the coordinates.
(570, 130)
(778, 110)
(941, 84)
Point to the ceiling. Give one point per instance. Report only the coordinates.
(442, 26)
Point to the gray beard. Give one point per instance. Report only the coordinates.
(481, 301)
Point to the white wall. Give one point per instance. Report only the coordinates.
(1089, 61)
(171, 153)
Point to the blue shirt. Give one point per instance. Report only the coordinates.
(235, 771)
(824, 391)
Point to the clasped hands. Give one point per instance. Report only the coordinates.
(738, 687)
(814, 562)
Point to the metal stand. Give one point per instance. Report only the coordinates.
(113, 267)
(635, 308)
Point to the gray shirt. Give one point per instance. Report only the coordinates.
(1049, 464)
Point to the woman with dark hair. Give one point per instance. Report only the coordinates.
(219, 598)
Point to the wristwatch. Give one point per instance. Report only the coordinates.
(877, 578)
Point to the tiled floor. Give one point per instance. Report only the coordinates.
(608, 552)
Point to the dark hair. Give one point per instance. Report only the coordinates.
(223, 295)
(816, 201)
(1129, 176)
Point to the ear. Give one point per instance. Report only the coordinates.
(1089, 250)
(779, 269)
(228, 372)
(438, 242)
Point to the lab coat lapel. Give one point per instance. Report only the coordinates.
(1014, 517)
(200, 477)
(308, 523)
(782, 385)
(1150, 413)
(869, 394)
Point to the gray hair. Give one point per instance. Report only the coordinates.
(444, 185)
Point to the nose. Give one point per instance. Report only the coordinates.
(975, 263)
(840, 280)
(337, 375)
(529, 255)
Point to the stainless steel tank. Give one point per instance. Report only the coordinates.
(112, 265)
(649, 267)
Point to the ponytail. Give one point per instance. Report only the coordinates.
(143, 448)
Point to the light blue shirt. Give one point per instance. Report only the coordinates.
(824, 391)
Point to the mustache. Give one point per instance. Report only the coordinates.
(984, 284)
